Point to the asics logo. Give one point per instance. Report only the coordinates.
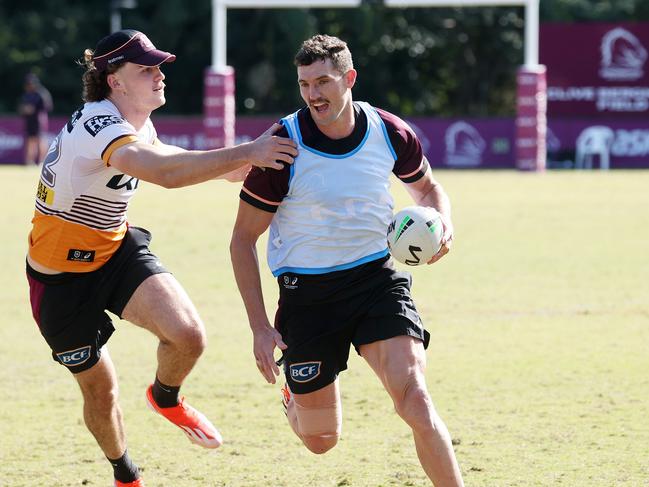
(290, 282)
(305, 371)
(74, 357)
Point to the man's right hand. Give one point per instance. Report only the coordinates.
(265, 341)
(269, 150)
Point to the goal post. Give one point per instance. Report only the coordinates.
(218, 79)
(531, 97)
(531, 90)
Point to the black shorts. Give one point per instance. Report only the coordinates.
(70, 308)
(319, 316)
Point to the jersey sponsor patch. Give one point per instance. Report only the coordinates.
(74, 357)
(45, 194)
(78, 255)
(304, 371)
(96, 124)
(120, 181)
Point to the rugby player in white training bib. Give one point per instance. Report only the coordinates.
(327, 216)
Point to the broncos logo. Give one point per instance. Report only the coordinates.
(623, 56)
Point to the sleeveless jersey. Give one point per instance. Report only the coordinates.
(337, 208)
(81, 202)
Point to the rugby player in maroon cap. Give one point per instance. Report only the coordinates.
(85, 258)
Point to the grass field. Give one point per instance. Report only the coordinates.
(539, 359)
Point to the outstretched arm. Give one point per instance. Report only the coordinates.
(250, 224)
(162, 165)
(427, 191)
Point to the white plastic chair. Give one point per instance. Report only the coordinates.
(594, 141)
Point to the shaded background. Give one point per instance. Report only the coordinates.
(416, 61)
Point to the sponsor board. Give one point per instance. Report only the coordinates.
(449, 143)
(612, 77)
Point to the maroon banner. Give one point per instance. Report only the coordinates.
(596, 69)
(454, 143)
(448, 143)
(12, 139)
(466, 143)
(604, 143)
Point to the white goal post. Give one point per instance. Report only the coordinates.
(531, 124)
(531, 44)
(219, 15)
(219, 19)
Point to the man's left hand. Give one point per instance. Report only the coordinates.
(447, 240)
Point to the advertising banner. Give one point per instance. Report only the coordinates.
(596, 69)
(448, 143)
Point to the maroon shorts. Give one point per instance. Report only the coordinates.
(70, 308)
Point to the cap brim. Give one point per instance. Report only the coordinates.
(154, 58)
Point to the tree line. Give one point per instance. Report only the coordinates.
(414, 61)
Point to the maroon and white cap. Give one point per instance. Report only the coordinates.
(128, 45)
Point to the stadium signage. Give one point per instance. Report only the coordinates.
(605, 71)
(464, 145)
(450, 143)
(630, 143)
(10, 142)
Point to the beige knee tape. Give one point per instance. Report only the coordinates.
(319, 421)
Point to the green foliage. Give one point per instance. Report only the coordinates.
(47, 37)
(414, 61)
(594, 10)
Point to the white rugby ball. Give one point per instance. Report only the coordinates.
(415, 235)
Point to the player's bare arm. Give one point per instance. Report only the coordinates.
(240, 174)
(168, 149)
(233, 176)
(427, 191)
(250, 224)
(175, 169)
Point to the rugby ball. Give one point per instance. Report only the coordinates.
(415, 235)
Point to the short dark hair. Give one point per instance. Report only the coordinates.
(95, 84)
(321, 47)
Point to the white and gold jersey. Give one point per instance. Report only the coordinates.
(81, 202)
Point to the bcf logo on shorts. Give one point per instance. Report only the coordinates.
(74, 357)
(304, 371)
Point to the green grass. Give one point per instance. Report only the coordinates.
(539, 358)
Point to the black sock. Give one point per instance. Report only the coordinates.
(124, 469)
(165, 396)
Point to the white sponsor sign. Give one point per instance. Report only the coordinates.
(464, 145)
(602, 142)
(606, 98)
(10, 142)
(623, 56)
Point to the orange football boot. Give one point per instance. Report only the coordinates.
(194, 424)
